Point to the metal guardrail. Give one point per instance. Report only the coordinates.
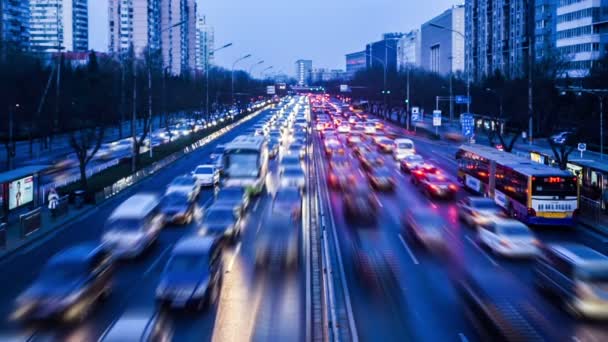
(591, 210)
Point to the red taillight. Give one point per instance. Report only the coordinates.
(531, 212)
(435, 188)
(453, 187)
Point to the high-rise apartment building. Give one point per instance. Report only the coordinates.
(178, 42)
(354, 62)
(499, 34)
(408, 50)
(544, 28)
(14, 25)
(204, 45)
(442, 42)
(303, 71)
(383, 52)
(581, 33)
(134, 23)
(59, 25)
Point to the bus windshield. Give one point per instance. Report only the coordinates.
(242, 163)
(554, 186)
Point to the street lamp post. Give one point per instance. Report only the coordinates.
(232, 75)
(263, 72)
(383, 67)
(207, 77)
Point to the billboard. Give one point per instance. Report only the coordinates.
(271, 90)
(344, 88)
(20, 192)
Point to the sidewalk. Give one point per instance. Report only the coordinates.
(48, 225)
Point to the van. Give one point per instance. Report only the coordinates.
(403, 148)
(133, 226)
(577, 275)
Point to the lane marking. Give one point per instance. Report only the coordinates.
(157, 260)
(481, 250)
(409, 251)
(259, 227)
(462, 337)
(236, 254)
(255, 206)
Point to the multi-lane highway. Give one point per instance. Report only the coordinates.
(375, 281)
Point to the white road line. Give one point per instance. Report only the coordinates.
(258, 228)
(236, 254)
(153, 265)
(106, 330)
(482, 251)
(255, 206)
(463, 338)
(409, 251)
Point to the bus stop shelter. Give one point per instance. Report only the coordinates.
(19, 189)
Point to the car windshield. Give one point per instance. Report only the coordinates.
(383, 172)
(124, 225)
(243, 163)
(427, 219)
(515, 230)
(437, 179)
(484, 204)
(219, 215)
(405, 145)
(204, 170)
(183, 181)
(218, 150)
(415, 159)
(175, 199)
(224, 194)
(63, 272)
(293, 173)
(188, 263)
(287, 196)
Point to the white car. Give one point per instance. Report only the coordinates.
(344, 128)
(508, 237)
(293, 177)
(403, 148)
(370, 128)
(184, 184)
(478, 210)
(206, 175)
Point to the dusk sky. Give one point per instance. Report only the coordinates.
(282, 31)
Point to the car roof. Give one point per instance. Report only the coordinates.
(194, 244)
(136, 206)
(579, 254)
(78, 253)
(130, 327)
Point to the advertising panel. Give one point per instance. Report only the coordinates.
(20, 192)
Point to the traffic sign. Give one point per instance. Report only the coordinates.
(467, 122)
(436, 118)
(415, 110)
(271, 90)
(461, 99)
(582, 147)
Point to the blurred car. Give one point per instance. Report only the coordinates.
(221, 221)
(437, 186)
(381, 178)
(289, 162)
(192, 277)
(293, 177)
(372, 266)
(478, 210)
(279, 241)
(187, 185)
(288, 200)
(403, 148)
(218, 152)
(370, 128)
(426, 227)
(344, 128)
(371, 160)
(360, 205)
(178, 208)
(411, 162)
(360, 149)
(577, 275)
(354, 139)
(273, 148)
(233, 196)
(206, 175)
(297, 149)
(422, 171)
(340, 176)
(384, 145)
(139, 327)
(508, 237)
(133, 226)
(68, 286)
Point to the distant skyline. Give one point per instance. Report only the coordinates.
(280, 32)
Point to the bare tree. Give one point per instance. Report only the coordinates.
(562, 149)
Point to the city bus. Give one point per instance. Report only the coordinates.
(533, 193)
(245, 161)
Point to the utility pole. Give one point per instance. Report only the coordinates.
(530, 3)
(407, 114)
(134, 113)
(149, 102)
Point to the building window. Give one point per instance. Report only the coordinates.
(435, 57)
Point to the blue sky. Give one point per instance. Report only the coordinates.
(282, 31)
